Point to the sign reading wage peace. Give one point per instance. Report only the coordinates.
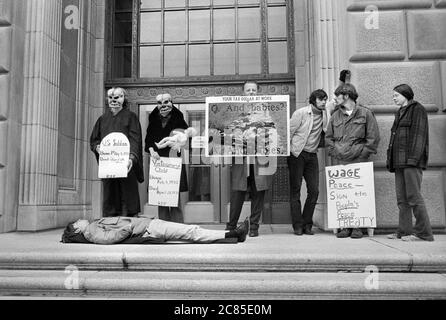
(164, 181)
(114, 156)
(351, 196)
(248, 126)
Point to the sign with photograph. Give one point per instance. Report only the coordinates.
(248, 126)
(114, 156)
(351, 196)
(164, 181)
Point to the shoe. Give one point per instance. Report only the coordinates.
(254, 233)
(228, 228)
(307, 230)
(344, 233)
(242, 231)
(356, 234)
(394, 236)
(411, 237)
(299, 231)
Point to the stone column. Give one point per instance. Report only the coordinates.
(38, 166)
(12, 36)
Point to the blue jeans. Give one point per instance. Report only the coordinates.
(305, 166)
(409, 199)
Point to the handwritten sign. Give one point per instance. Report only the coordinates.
(248, 125)
(351, 196)
(164, 181)
(114, 156)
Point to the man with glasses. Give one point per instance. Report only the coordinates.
(165, 121)
(120, 195)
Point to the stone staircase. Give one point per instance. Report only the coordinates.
(272, 266)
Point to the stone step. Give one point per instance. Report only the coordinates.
(203, 258)
(219, 285)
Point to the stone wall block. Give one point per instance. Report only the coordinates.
(5, 49)
(426, 30)
(431, 187)
(440, 3)
(443, 83)
(379, 39)
(5, 12)
(2, 190)
(4, 92)
(3, 143)
(361, 5)
(375, 82)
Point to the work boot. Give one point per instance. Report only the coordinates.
(254, 233)
(298, 231)
(356, 234)
(307, 230)
(242, 231)
(344, 233)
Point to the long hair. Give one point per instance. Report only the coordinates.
(317, 94)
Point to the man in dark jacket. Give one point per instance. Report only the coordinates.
(407, 156)
(352, 136)
(120, 195)
(163, 121)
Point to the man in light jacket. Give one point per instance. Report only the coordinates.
(307, 127)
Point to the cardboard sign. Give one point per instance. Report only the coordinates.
(351, 196)
(114, 156)
(164, 181)
(248, 125)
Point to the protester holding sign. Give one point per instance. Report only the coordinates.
(246, 176)
(167, 121)
(352, 136)
(407, 157)
(120, 195)
(306, 129)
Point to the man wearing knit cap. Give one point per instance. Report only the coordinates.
(407, 157)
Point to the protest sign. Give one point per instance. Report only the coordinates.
(164, 181)
(248, 125)
(351, 196)
(114, 156)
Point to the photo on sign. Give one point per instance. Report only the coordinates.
(248, 126)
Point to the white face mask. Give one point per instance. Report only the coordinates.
(164, 104)
(115, 99)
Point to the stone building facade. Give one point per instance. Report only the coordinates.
(54, 61)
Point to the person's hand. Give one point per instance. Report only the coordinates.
(98, 148)
(129, 165)
(154, 154)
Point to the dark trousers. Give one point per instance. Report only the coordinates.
(409, 199)
(305, 166)
(237, 199)
(121, 196)
(173, 214)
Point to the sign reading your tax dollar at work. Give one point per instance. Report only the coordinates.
(114, 156)
(351, 196)
(164, 181)
(248, 126)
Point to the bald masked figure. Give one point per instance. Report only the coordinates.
(120, 195)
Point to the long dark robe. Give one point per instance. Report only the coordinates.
(121, 195)
(156, 132)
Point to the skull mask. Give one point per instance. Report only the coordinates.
(164, 104)
(116, 97)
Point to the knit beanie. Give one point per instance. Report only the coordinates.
(405, 91)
